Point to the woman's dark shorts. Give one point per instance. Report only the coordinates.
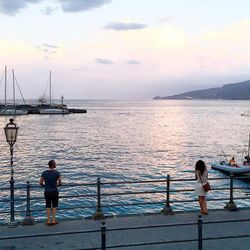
(51, 198)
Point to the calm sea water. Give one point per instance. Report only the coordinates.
(121, 141)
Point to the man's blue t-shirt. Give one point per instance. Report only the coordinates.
(50, 177)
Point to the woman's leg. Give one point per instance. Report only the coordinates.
(203, 204)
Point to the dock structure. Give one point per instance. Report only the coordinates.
(35, 108)
(219, 230)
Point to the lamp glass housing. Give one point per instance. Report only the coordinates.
(11, 130)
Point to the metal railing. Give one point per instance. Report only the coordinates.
(199, 239)
(103, 231)
(101, 197)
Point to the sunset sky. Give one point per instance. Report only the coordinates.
(100, 49)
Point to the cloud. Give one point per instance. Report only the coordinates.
(164, 20)
(81, 5)
(103, 61)
(234, 35)
(48, 10)
(47, 58)
(48, 50)
(45, 50)
(118, 26)
(49, 46)
(80, 69)
(133, 62)
(11, 7)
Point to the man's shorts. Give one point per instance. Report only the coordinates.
(51, 198)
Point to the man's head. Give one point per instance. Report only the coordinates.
(52, 164)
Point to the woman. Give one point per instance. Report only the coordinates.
(201, 176)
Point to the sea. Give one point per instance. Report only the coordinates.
(124, 141)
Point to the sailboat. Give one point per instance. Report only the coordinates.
(11, 109)
(53, 110)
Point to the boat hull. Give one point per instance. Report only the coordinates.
(241, 169)
(13, 112)
(53, 111)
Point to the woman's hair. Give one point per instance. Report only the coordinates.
(200, 166)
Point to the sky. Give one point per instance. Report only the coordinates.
(123, 49)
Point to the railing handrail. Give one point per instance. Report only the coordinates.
(103, 192)
(32, 186)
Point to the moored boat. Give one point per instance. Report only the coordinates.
(225, 167)
(51, 110)
(246, 113)
(11, 109)
(13, 112)
(233, 167)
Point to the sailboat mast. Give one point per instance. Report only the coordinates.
(62, 97)
(5, 86)
(14, 97)
(248, 147)
(50, 89)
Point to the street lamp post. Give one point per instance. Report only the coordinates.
(11, 136)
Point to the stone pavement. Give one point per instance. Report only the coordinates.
(69, 233)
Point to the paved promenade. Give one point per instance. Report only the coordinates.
(66, 239)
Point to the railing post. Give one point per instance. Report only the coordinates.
(167, 210)
(230, 206)
(98, 215)
(28, 219)
(12, 222)
(200, 220)
(103, 235)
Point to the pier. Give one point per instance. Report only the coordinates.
(35, 108)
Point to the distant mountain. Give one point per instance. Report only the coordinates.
(233, 91)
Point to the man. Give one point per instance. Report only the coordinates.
(52, 180)
(233, 163)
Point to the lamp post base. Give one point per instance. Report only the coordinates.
(230, 206)
(12, 224)
(167, 210)
(28, 220)
(98, 215)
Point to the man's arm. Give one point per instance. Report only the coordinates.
(59, 181)
(41, 182)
